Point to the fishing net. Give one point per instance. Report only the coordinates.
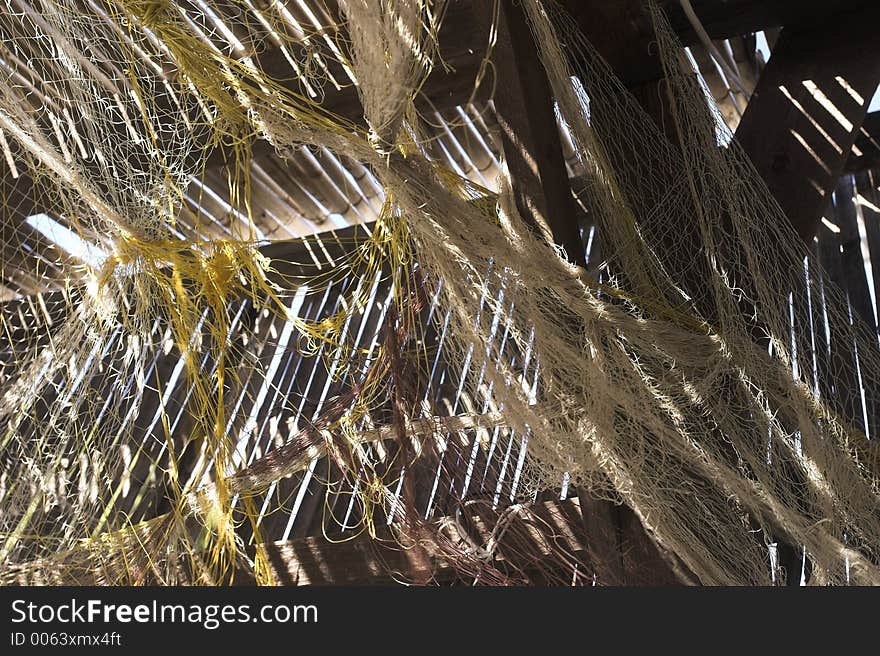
(707, 374)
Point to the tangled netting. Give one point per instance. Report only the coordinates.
(698, 375)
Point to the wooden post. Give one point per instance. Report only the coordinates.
(529, 133)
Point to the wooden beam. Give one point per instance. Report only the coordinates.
(866, 152)
(602, 525)
(807, 110)
(867, 188)
(724, 19)
(530, 137)
(622, 33)
(363, 560)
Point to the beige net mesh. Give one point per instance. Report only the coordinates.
(695, 376)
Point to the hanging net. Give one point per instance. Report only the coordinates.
(707, 374)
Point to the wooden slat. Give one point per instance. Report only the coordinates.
(867, 188)
(839, 382)
(852, 259)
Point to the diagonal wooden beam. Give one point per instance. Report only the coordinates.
(807, 111)
(620, 550)
(524, 106)
(866, 153)
(723, 19)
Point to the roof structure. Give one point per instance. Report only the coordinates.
(488, 116)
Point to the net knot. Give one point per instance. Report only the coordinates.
(152, 13)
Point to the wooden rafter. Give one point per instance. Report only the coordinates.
(807, 111)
